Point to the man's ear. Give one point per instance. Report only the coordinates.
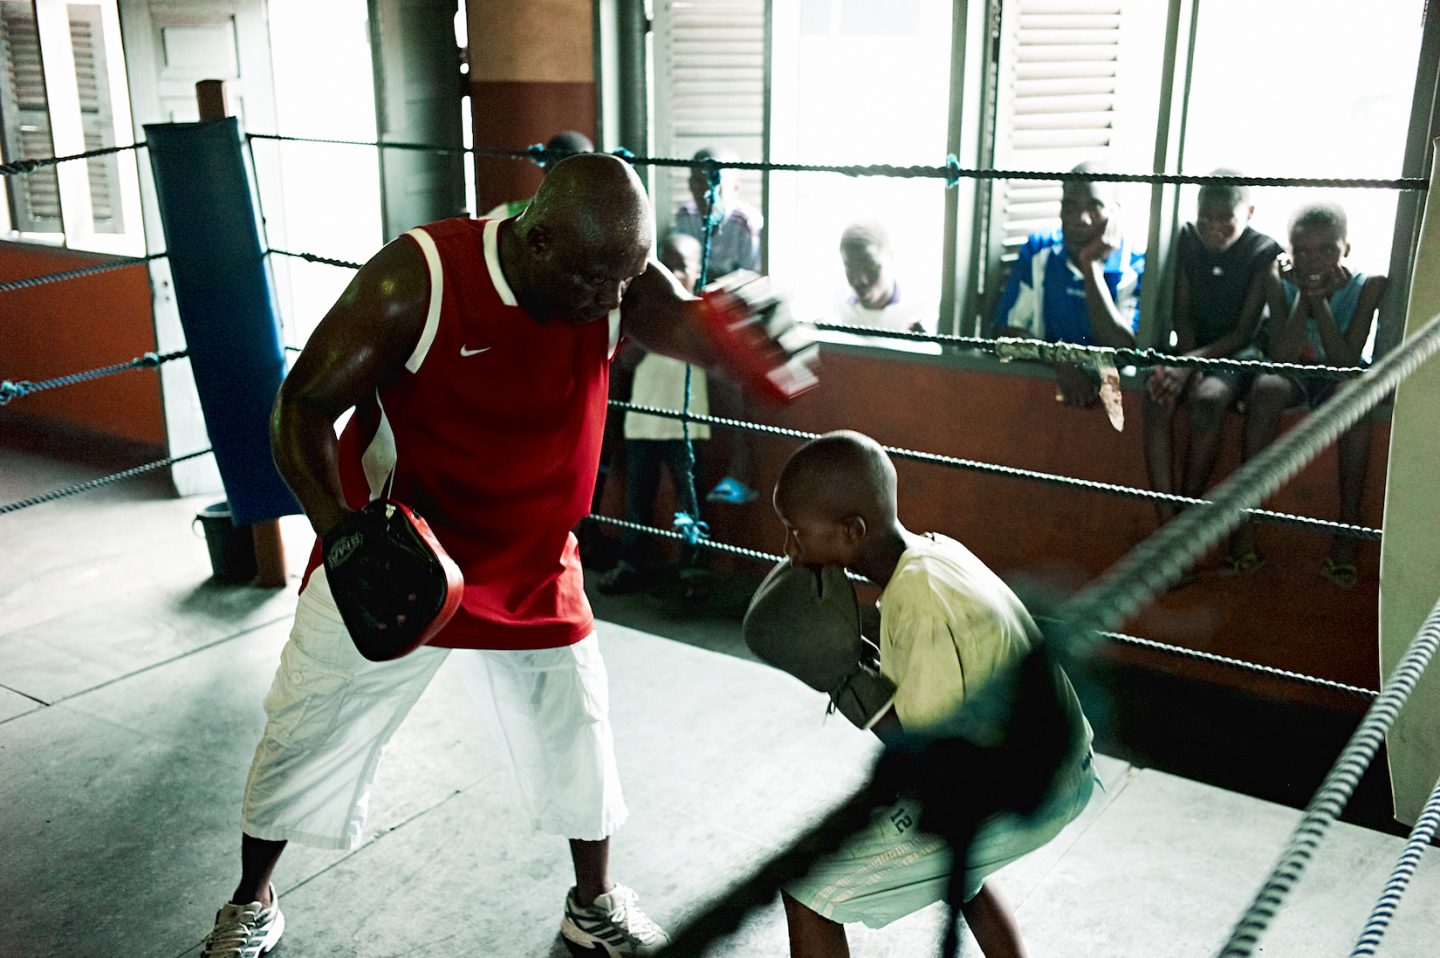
(538, 239)
(855, 528)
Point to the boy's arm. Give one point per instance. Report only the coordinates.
(1349, 349)
(1108, 327)
(1287, 326)
(1166, 382)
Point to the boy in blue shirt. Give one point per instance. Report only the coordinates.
(1079, 284)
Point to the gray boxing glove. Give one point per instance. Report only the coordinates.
(807, 622)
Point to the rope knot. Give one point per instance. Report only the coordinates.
(12, 390)
(691, 528)
(953, 173)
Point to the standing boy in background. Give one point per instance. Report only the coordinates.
(947, 625)
(734, 245)
(1219, 296)
(653, 441)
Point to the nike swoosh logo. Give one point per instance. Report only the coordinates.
(474, 352)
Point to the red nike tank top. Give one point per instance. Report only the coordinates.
(492, 433)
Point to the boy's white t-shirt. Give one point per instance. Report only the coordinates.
(660, 382)
(947, 623)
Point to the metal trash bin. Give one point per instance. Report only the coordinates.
(232, 549)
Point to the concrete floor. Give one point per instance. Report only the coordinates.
(130, 690)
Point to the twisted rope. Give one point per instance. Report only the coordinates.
(1119, 637)
(1379, 921)
(77, 273)
(314, 258)
(951, 171)
(14, 390)
(1158, 562)
(89, 484)
(1007, 348)
(1325, 807)
(1342, 529)
(1234, 663)
(1010, 348)
(17, 167)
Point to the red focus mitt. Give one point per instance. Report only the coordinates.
(392, 581)
(754, 338)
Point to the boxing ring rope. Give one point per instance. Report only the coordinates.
(1148, 569)
(89, 484)
(27, 283)
(1420, 836)
(16, 389)
(1120, 637)
(1343, 529)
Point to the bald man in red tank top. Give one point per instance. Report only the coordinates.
(475, 355)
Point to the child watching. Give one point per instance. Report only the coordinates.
(653, 441)
(947, 623)
(1321, 313)
(1079, 284)
(1219, 296)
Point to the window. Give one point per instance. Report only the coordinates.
(709, 90)
(62, 91)
(858, 83)
(1334, 103)
(1288, 88)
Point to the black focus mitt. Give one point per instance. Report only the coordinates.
(392, 581)
(807, 622)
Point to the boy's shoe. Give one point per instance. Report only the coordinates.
(245, 931)
(611, 927)
(733, 491)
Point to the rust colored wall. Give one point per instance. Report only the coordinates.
(531, 76)
(515, 114)
(77, 325)
(1284, 615)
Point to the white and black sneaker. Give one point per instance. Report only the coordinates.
(611, 927)
(245, 931)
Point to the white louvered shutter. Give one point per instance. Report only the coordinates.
(96, 117)
(709, 89)
(1059, 81)
(25, 115)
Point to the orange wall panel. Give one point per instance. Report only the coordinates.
(76, 325)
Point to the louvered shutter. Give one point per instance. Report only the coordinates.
(709, 88)
(93, 83)
(25, 115)
(1059, 69)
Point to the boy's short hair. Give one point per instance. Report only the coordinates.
(1228, 194)
(1323, 215)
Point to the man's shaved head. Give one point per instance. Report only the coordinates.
(594, 197)
(586, 235)
(838, 475)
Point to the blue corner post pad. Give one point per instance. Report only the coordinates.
(227, 306)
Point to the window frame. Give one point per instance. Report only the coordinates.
(973, 270)
(67, 129)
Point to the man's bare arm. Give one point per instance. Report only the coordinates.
(361, 343)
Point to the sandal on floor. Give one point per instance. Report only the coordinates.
(1343, 574)
(733, 491)
(1243, 564)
